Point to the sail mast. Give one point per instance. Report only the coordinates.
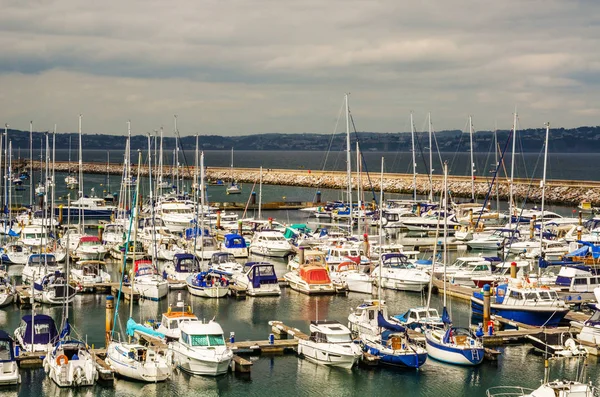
(512, 170)
(430, 162)
(31, 185)
(543, 186)
(444, 256)
(414, 161)
(472, 161)
(348, 163)
(81, 218)
(380, 233)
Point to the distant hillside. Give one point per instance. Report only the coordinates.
(581, 139)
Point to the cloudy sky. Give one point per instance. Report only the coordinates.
(249, 66)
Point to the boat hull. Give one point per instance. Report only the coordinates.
(452, 355)
(388, 357)
(530, 315)
(310, 352)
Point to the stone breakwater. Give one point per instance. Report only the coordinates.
(565, 192)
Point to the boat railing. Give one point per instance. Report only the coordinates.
(508, 391)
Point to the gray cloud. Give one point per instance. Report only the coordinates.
(238, 67)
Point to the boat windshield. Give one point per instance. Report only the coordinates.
(339, 338)
(5, 354)
(207, 340)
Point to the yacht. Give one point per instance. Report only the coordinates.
(147, 282)
(259, 279)
(9, 369)
(53, 288)
(399, 274)
(138, 362)
(201, 349)
(349, 275)
(39, 265)
(177, 216)
(207, 285)
(89, 248)
(88, 274)
(170, 323)
(270, 243)
(310, 280)
(235, 244)
(330, 343)
(70, 363)
(177, 271)
(224, 263)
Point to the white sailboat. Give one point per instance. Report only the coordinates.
(133, 360)
(453, 345)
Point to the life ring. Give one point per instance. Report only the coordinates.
(62, 359)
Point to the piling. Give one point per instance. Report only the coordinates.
(366, 245)
(301, 255)
(513, 270)
(486, 303)
(60, 214)
(318, 196)
(110, 314)
(239, 227)
(253, 198)
(270, 223)
(100, 232)
(219, 219)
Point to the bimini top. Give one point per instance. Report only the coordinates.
(315, 275)
(261, 273)
(45, 329)
(234, 240)
(185, 263)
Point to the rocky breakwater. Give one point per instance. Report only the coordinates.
(557, 192)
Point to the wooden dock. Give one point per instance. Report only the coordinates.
(126, 293)
(279, 346)
(235, 291)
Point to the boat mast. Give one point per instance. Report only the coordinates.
(232, 181)
(497, 167)
(53, 181)
(543, 186)
(430, 162)
(380, 233)
(128, 166)
(358, 180)
(472, 161)
(176, 155)
(512, 171)
(160, 161)
(444, 255)
(414, 161)
(81, 217)
(348, 164)
(6, 175)
(31, 165)
(196, 165)
(260, 193)
(135, 221)
(8, 222)
(202, 204)
(154, 248)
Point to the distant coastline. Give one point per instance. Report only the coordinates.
(575, 140)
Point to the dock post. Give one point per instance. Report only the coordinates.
(270, 223)
(301, 256)
(60, 214)
(318, 196)
(218, 219)
(100, 232)
(253, 198)
(486, 303)
(232, 337)
(110, 313)
(579, 228)
(513, 270)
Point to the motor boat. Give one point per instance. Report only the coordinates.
(147, 282)
(235, 244)
(9, 369)
(177, 271)
(270, 243)
(90, 274)
(399, 274)
(524, 301)
(170, 323)
(311, 280)
(138, 362)
(330, 343)
(348, 275)
(224, 263)
(207, 285)
(419, 319)
(89, 248)
(201, 349)
(258, 279)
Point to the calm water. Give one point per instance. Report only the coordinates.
(288, 375)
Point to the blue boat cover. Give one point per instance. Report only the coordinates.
(185, 263)
(8, 342)
(262, 273)
(382, 322)
(234, 240)
(45, 329)
(446, 317)
(132, 326)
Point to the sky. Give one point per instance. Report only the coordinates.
(239, 67)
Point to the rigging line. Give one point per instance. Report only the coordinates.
(125, 264)
(362, 158)
(420, 147)
(500, 162)
(248, 202)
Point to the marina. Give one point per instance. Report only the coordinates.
(274, 293)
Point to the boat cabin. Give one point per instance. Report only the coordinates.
(39, 328)
(396, 261)
(221, 257)
(233, 240)
(186, 263)
(200, 334)
(420, 317)
(314, 275)
(42, 260)
(577, 279)
(324, 331)
(260, 273)
(507, 294)
(144, 267)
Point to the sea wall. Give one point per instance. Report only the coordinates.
(557, 191)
